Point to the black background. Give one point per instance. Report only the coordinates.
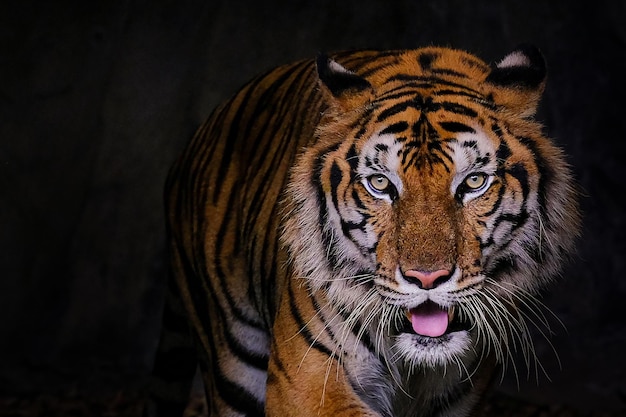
(97, 98)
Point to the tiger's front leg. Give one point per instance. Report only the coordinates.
(305, 375)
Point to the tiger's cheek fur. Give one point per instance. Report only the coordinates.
(387, 246)
(476, 217)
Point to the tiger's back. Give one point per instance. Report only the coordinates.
(224, 190)
(222, 198)
(269, 234)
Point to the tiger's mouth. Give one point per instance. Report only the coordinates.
(433, 336)
(433, 321)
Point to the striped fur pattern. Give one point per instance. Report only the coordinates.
(364, 235)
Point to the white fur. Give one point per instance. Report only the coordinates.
(389, 162)
(465, 159)
(420, 351)
(514, 59)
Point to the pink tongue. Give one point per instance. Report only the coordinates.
(429, 319)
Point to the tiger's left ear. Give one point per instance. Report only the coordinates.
(519, 80)
(340, 86)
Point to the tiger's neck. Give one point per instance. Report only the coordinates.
(393, 388)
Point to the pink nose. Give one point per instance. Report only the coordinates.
(428, 279)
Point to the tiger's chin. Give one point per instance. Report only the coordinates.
(432, 352)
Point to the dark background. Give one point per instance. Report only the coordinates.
(97, 98)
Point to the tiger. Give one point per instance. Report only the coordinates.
(366, 233)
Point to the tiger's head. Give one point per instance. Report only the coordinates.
(431, 206)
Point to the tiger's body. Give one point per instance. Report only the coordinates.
(355, 236)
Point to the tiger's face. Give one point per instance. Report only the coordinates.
(431, 205)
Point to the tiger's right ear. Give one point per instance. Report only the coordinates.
(519, 80)
(342, 86)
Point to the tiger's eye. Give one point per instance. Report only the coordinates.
(475, 181)
(379, 182)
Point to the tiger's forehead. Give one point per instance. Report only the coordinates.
(390, 153)
(438, 83)
(419, 121)
(456, 66)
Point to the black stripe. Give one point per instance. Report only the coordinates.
(302, 325)
(269, 289)
(408, 78)
(457, 127)
(279, 363)
(394, 128)
(327, 237)
(498, 201)
(458, 109)
(336, 176)
(546, 177)
(516, 220)
(519, 172)
(237, 397)
(476, 97)
(352, 159)
(403, 92)
(258, 361)
(502, 266)
(426, 59)
(358, 61)
(503, 152)
(395, 109)
(446, 71)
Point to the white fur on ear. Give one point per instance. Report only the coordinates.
(514, 59)
(337, 67)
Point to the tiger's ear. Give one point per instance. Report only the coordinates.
(519, 79)
(341, 86)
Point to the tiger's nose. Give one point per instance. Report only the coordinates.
(427, 280)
